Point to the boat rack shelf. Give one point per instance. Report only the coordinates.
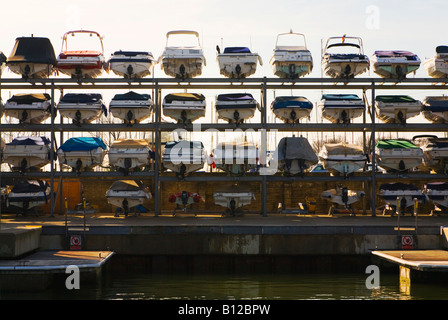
(263, 84)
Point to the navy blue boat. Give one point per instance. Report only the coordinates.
(291, 109)
(435, 109)
(236, 107)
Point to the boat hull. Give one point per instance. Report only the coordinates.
(28, 200)
(80, 113)
(180, 66)
(395, 65)
(81, 67)
(397, 112)
(341, 114)
(292, 114)
(133, 198)
(340, 68)
(399, 159)
(233, 200)
(81, 160)
(26, 157)
(32, 70)
(131, 64)
(28, 115)
(291, 64)
(234, 65)
(337, 196)
(436, 67)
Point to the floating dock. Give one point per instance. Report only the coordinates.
(38, 270)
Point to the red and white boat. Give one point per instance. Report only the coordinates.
(82, 63)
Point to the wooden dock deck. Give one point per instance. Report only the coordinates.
(421, 260)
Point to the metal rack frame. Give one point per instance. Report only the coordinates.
(262, 84)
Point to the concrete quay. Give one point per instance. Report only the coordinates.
(248, 235)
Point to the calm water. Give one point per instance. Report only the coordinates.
(137, 286)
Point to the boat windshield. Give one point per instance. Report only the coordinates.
(291, 41)
(82, 41)
(344, 45)
(182, 39)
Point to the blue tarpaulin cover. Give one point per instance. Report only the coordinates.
(82, 144)
(131, 95)
(82, 98)
(235, 97)
(340, 97)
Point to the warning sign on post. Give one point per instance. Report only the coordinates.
(75, 242)
(407, 242)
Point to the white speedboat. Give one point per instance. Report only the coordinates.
(342, 196)
(82, 153)
(291, 61)
(127, 194)
(129, 154)
(29, 194)
(131, 64)
(131, 107)
(396, 108)
(437, 66)
(291, 109)
(344, 57)
(400, 194)
(235, 158)
(32, 57)
(238, 62)
(29, 108)
(236, 107)
(435, 151)
(341, 158)
(437, 192)
(341, 108)
(398, 154)
(82, 54)
(435, 109)
(294, 155)
(182, 61)
(394, 64)
(184, 157)
(82, 108)
(184, 107)
(233, 198)
(27, 153)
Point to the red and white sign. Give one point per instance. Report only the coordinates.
(75, 242)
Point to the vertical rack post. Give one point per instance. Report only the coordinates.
(372, 138)
(52, 135)
(157, 143)
(264, 150)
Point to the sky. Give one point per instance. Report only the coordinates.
(412, 25)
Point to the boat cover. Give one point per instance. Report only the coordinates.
(131, 95)
(335, 149)
(184, 97)
(132, 53)
(83, 144)
(127, 185)
(233, 189)
(288, 102)
(442, 49)
(438, 143)
(30, 186)
(395, 186)
(348, 56)
(395, 144)
(395, 99)
(436, 104)
(130, 143)
(340, 97)
(82, 98)
(2, 57)
(235, 97)
(436, 186)
(24, 98)
(236, 50)
(29, 141)
(290, 148)
(394, 53)
(33, 50)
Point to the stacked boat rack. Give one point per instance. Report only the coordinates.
(157, 85)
